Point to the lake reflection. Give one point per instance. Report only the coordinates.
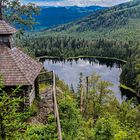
(69, 71)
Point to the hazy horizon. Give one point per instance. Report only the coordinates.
(80, 3)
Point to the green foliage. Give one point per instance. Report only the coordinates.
(11, 120)
(34, 107)
(73, 125)
(40, 131)
(16, 12)
(106, 128)
(61, 85)
(43, 87)
(103, 117)
(71, 119)
(111, 120)
(110, 128)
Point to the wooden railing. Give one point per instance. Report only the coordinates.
(56, 108)
(52, 79)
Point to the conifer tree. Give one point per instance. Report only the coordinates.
(10, 117)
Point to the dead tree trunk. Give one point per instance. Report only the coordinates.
(81, 100)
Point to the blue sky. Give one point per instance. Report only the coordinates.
(76, 2)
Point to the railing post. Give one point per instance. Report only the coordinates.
(56, 108)
(87, 81)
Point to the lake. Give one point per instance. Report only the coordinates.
(69, 71)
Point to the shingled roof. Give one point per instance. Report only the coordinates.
(17, 68)
(6, 29)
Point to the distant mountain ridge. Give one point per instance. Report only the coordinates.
(114, 22)
(54, 16)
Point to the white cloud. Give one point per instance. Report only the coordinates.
(79, 2)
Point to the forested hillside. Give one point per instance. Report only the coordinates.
(120, 22)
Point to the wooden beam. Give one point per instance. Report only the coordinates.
(46, 72)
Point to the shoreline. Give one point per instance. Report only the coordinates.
(130, 92)
(128, 88)
(77, 57)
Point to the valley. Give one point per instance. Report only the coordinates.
(69, 72)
